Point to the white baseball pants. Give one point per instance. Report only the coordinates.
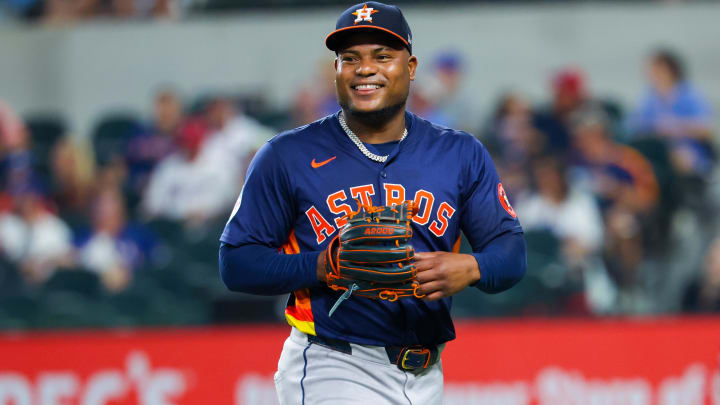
(311, 374)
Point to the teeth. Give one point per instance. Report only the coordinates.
(367, 86)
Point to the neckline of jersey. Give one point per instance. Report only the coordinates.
(409, 139)
(382, 144)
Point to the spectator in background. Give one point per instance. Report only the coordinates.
(514, 142)
(232, 141)
(624, 183)
(113, 248)
(66, 12)
(703, 295)
(72, 181)
(33, 238)
(571, 214)
(570, 95)
(233, 135)
(439, 98)
(675, 110)
(15, 155)
(148, 147)
(186, 187)
(316, 98)
(144, 8)
(17, 8)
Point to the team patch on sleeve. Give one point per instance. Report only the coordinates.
(504, 201)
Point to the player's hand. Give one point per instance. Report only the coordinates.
(442, 274)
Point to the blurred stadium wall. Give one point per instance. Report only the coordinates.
(567, 362)
(86, 70)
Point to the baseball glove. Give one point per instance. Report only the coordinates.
(371, 256)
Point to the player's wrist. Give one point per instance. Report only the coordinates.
(473, 269)
(320, 269)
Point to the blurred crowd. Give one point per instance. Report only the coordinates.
(127, 202)
(70, 12)
(614, 188)
(617, 203)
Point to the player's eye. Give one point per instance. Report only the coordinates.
(384, 57)
(347, 58)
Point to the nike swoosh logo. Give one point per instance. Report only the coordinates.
(315, 164)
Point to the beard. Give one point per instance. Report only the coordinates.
(376, 118)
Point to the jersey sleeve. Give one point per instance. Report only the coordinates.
(264, 211)
(487, 212)
(491, 226)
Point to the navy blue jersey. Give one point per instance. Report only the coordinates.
(303, 182)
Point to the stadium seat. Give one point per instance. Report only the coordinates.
(243, 308)
(10, 280)
(8, 322)
(45, 130)
(168, 231)
(65, 309)
(165, 309)
(202, 277)
(171, 280)
(79, 281)
(542, 248)
(472, 303)
(130, 306)
(655, 149)
(19, 307)
(205, 248)
(111, 135)
(543, 241)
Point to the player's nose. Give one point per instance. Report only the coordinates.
(366, 68)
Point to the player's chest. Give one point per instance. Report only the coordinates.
(327, 196)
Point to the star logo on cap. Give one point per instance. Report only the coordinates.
(364, 14)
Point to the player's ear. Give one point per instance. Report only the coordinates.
(412, 66)
(336, 62)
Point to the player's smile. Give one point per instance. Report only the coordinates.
(366, 89)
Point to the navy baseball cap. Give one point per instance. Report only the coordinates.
(371, 15)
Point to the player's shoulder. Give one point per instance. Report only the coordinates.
(311, 132)
(293, 145)
(448, 137)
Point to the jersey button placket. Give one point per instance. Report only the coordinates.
(381, 190)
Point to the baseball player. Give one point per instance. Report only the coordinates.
(371, 164)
